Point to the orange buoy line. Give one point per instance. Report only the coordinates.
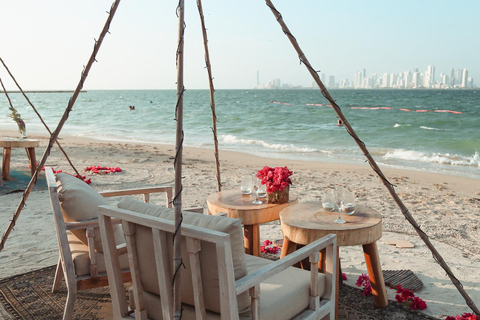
(371, 108)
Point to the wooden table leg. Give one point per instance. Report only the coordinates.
(375, 274)
(287, 247)
(251, 234)
(6, 163)
(32, 158)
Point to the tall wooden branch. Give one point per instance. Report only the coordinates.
(64, 118)
(177, 201)
(212, 93)
(40, 117)
(436, 255)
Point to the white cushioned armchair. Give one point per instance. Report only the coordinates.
(219, 280)
(81, 258)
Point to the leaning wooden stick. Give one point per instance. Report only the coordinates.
(436, 255)
(64, 118)
(212, 95)
(40, 117)
(177, 201)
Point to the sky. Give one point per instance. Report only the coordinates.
(46, 43)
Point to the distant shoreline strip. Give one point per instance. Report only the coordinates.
(371, 108)
(42, 91)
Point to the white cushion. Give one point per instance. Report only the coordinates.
(79, 202)
(148, 274)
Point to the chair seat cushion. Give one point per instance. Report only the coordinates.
(282, 296)
(81, 259)
(208, 259)
(79, 202)
(286, 294)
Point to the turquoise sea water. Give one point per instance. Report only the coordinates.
(293, 124)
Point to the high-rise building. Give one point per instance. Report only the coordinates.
(331, 82)
(358, 80)
(407, 76)
(458, 77)
(385, 81)
(452, 77)
(416, 79)
(430, 77)
(464, 78)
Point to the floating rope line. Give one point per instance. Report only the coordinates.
(436, 255)
(54, 135)
(371, 108)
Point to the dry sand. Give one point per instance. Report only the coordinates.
(446, 207)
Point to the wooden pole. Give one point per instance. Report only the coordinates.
(39, 116)
(64, 118)
(177, 201)
(436, 255)
(212, 95)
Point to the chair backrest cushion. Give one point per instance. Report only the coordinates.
(208, 259)
(79, 202)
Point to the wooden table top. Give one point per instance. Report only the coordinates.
(19, 143)
(238, 205)
(303, 223)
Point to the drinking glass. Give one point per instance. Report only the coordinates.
(328, 200)
(338, 204)
(256, 185)
(262, 190)
(348, 202)
(246, 185)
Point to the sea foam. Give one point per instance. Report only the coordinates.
(445, 158)
(233, 140)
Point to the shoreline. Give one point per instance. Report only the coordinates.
(446, 207)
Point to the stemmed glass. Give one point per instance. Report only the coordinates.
(256, 186)
(262, 190)
(338, 205)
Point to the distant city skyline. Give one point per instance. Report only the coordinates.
(48, 42)
(455, 79)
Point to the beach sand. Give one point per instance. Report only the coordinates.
(446, 207)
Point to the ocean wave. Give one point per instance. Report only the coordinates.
(446, 158)
(401, 125)
(429, 128)
(233, 140)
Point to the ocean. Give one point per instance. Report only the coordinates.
(427, 130)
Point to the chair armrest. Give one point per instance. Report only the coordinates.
(194, 209)
(221, 214)
(257, 277)
(145, 191)
(125, 192)
(86, 224)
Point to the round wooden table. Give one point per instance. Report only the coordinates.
(8, 144)
(305, 222)
(240, 206)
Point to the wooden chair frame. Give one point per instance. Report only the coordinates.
(318, 308)
(65, 267)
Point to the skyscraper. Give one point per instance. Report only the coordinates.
(430, 77)
(452, 77)
(464, 78)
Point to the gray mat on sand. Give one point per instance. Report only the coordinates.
(29, 296)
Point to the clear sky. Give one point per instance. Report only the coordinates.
(46, 43)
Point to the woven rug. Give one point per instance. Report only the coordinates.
(28, 296)
(19, 180)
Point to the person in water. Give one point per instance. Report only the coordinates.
(339, 122)
(132, 108)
